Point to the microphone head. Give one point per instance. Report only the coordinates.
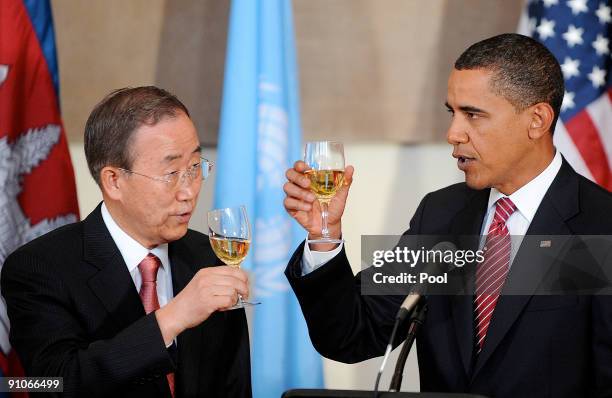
(444, 245)
(435, 268)
(431, 268)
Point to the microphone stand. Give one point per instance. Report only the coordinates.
(416, 320)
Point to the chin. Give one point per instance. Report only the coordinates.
(175, 234)
(475, 183)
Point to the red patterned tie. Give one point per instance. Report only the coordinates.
(491, 274)
(148, 294)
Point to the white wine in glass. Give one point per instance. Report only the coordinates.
(231, 251)
(325, 160)
(325, 183)
(229, 232)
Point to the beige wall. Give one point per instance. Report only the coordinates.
(370, 70)
(376, 70)
(103, 45)
(373, 74)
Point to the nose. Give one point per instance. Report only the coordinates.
(189, 187)
(457, 133)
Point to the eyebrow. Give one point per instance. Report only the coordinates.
(466, 108)
(170, 158)
(471, 109)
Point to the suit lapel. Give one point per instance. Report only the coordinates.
(532, 262)
(190, 340)
(112, 284)
(466, 227)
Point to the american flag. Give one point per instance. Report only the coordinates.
(578, 34)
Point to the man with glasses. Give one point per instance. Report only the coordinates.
(130, 302)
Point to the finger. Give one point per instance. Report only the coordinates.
(223, 303)
(303, 218)
(292, 205)
(295, 191)
(211, 279)
(232, 291)
(227, 282)
(220, 290)
(225, 270)
(240, 284)
(297, 178)
(300, 166)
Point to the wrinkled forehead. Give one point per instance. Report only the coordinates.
(169, 140)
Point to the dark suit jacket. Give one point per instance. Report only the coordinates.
(536, 345)
(75, 313)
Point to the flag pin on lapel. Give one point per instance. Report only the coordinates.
(545, 243)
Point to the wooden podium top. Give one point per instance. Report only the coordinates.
(321, 393)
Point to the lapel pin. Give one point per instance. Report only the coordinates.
(545, 243)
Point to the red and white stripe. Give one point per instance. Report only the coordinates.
(586, 140)
(491, 274)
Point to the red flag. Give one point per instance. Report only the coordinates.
(37, 188)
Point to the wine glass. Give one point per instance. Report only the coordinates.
(229, 232)
(326, 173)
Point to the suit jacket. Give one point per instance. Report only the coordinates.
(75, 313)
(536, 345)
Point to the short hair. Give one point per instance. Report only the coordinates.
(525, 72)
(113, 120)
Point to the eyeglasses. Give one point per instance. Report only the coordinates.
(201, 169)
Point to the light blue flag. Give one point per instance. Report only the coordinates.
(259, 139)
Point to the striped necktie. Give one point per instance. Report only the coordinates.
(491, 273)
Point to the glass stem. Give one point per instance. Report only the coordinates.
(324, 214)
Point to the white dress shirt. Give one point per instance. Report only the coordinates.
(527, 199)
(133, 253)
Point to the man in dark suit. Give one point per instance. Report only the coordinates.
(504, 97)
(130, 302)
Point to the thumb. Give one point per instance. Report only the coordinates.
(348, 175)
(348, 180)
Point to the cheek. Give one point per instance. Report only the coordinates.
(157, 208)
(495, 146)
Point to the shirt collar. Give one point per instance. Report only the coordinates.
(131, 251)
(528, 198)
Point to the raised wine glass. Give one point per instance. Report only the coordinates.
(229, 232)
(326, 173)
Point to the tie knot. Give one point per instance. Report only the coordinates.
(148, 268)
(504, 209)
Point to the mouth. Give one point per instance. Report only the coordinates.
(464, 162)
(184, 217)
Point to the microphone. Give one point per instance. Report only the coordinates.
(416, 292)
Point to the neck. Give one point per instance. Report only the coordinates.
(122, 221)
(526, 171)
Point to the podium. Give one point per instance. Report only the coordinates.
(318, 393)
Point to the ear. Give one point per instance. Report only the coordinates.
(541, 116)
(109, 181)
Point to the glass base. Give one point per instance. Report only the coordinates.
(324, 240)
(243, 304)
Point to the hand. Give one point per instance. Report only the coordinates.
(211, 289)
(302, 205)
